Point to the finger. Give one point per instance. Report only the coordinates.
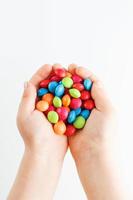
(57, 66)
(27, 104)
(98, 92)
(71, 68)
(41, 74)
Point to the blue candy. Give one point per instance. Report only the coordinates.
(85, 114)
(41, 92)
(87, 84)
(52, 85)
(59, 90)
(77, 111)
(71, 117)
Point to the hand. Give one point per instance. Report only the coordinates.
(35, 129)
(99, 128)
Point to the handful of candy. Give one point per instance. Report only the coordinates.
(65, 99)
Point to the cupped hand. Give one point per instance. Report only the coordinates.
(36, 131)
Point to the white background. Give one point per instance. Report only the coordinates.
(97, 34)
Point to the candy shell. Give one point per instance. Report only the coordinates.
(41, 92)
(52, 85)
(66, 100)
(87, 84)
(57, 102)
(77, 111)
(60, 128)
(74, 93)
(50, 108)
(48, 97)
(85, 114)
(63, 113)
(89, 104)
(71, 117)
(53, 117)
(55, 78)
(78, 86)
(76, 78)
(42, 105)
(79, 122)
(44, 83)
(85, 95)
(70, 130)
(75, 103)
(67, 82)
(61, 72)
(59, 90)
(68, 74)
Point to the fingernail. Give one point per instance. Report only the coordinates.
(25, 85)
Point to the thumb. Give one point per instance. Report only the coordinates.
(27, 104)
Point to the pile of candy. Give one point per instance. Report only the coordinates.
(66, 101)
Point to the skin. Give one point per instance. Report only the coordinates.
(44, 150)
(91, 147)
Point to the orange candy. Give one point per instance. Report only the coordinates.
(42, 105)
(66, 100)
(48, 97)
(68, 74)
(60, 128)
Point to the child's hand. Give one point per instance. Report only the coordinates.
(99, 127)
(35, 129)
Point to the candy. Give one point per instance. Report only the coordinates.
(42, 105)
(70, 130)
(74, 93)
(63, 113)
(42, 91)
(89, 104)
(48, 97)
(87, 84)
(77, 111)
(61, 72)
(67, 82)
(52, 85)
(60, 128)
(85, 95)
(71, 117)
(66, 100)
(76, 78)
(53, 117)
(78, 86)
(59, 90)
(57, 102)
(44, 83)
(85, 114)
(79, 122)
(75, 103)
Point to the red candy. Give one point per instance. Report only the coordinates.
(78, 86)
(63, 113)
(75, 103)
(44, 83)
(70, 130)
(76, 78)
(50, 108)
(85, 95)
(89, 104)
(60, 72)
(55, 78)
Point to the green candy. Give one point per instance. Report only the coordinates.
(79, 122)
(74, 93)
(53, 117)
(67, 82)
(57, 102)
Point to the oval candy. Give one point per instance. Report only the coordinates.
(85, 95)
(66, 100)
(52, 85)
(78, 86)
(71, 117)
(75, 103)
(59, 90)
(48, 97)
(70, 130)
(85, 114)
(74, 93)
(89, 104)
(60, 128)
(57, 102)
(79, 122)
(87, 84)
(63, 113)
(67, 82)
(41, 92)
(53, 117)
(42, 105)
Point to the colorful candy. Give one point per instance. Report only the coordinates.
(53, 117)
(66, 100)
